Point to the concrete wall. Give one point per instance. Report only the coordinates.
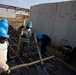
(34, 13)
(7, 14)
(43, 18)
(62, 19)
(46, 18)
(70, 34)
(57, 20)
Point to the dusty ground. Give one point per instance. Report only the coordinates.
(55, 67)
(57, 52)
(51, 67)
(60, 55)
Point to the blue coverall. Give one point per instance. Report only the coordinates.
(45, 41)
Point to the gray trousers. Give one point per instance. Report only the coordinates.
(25, 48)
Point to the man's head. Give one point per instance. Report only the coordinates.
(3, 35)
(29, 24)
(39, 36)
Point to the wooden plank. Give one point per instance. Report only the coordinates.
(19, 41)
(38, 50)
(29, 64)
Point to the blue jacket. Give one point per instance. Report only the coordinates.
(45, 39)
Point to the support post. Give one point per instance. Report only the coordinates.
(19, 41)
(38, 50)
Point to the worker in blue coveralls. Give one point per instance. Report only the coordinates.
(45, 39)
(25, 38)
(4, 24)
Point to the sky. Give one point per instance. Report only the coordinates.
(27, 3)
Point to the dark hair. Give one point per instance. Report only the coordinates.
(3, 38)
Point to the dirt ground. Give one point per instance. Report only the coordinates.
(61, 56)
(57, 52)
(51, 67)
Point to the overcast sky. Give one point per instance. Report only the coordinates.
(27, 3)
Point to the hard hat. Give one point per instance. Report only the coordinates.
(4, 25)
(29, 23)
(4, 20)
(3, 33)
(39, 36)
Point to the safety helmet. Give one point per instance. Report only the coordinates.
(4, 20)
(39, 36)
(4, 25)
(29, 24)
(3, 33)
